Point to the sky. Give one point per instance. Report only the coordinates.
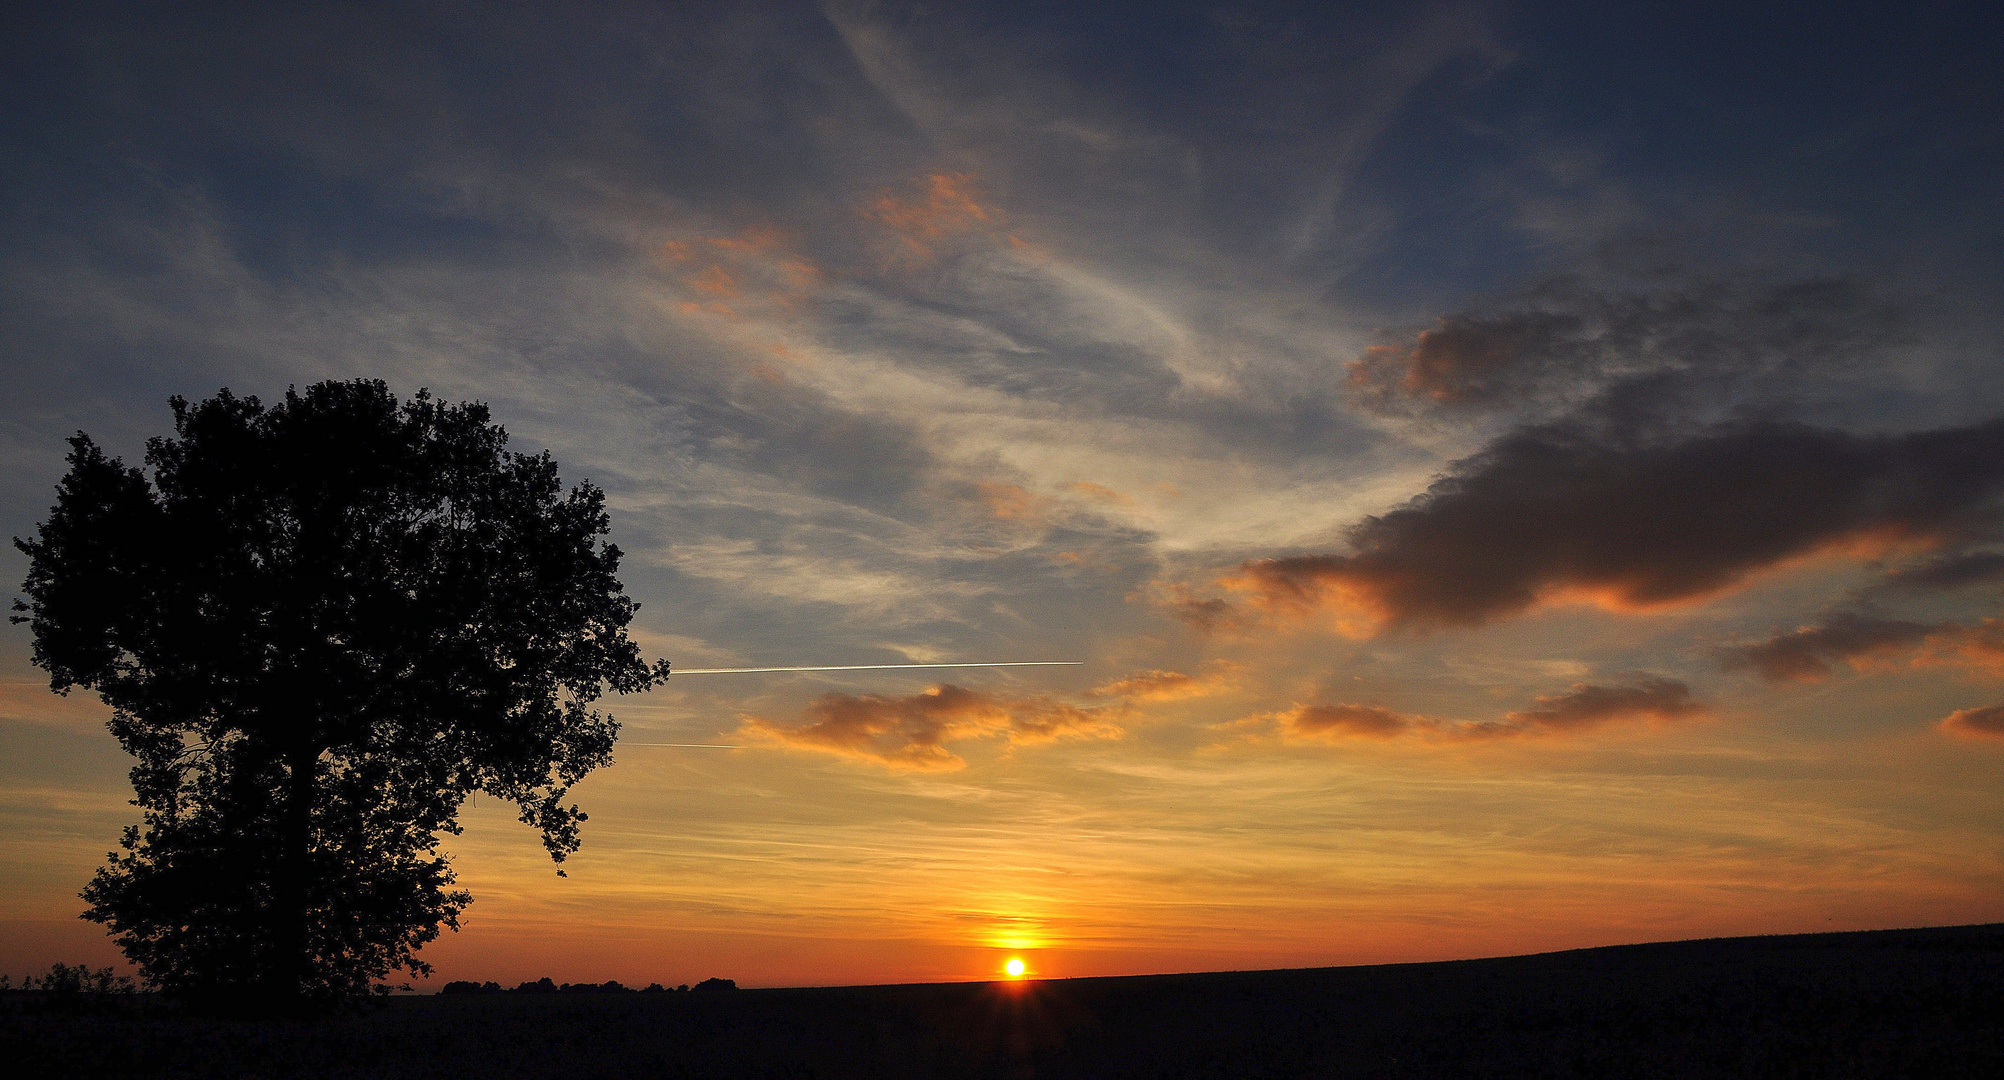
(1515, 476)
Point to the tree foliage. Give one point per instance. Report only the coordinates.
(321, 626)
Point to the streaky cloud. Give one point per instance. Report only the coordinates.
(913, 732)
(1806, 654)
(1584, 707)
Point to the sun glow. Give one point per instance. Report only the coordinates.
(1014, 967)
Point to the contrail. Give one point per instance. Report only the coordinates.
(867, 667)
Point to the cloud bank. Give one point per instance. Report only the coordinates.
(1566, 513)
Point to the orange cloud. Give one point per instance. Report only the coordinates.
(753, 241)
(1979, 646)
(1100, 493)
(913, 732)
(948, 208)
(716, 281)
(1987, 723)
(33, 701)
(1009, 502)
(1169, 685)
(1584, 707)
(1336, 721)
(1081, 559)
(736, 276)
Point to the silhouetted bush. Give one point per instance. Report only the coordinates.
(717, 984)
(654, 988)
(610, 986)
(461, 986)
(74, 988)
(540, 986)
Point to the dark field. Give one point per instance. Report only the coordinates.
(1888, 1003)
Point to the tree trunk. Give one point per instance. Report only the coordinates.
(291, 961)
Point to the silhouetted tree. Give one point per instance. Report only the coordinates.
(321, 626)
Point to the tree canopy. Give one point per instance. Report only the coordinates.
(322, 625)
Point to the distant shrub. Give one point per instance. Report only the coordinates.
(610, 986)
(540, 986)
(461, 986)
(65, 980)
(717, 984)
(75, 988)
(654, 988)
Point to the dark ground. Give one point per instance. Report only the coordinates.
(1922, 1003)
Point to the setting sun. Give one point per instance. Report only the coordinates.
(1014, 967)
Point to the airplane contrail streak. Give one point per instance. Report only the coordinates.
(868, 667)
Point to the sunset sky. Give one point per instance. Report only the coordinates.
(1518, 477)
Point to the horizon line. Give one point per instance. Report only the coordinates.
(869, 667)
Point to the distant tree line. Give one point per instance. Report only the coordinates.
(70, 988)
(74, 980)
(610, 986)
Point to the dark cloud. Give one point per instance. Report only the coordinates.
(1952, 571)
(1806, 654)
(913, 732)
(1567, 344)
(1564, 511)
(1585, 706)
(1987, 723)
